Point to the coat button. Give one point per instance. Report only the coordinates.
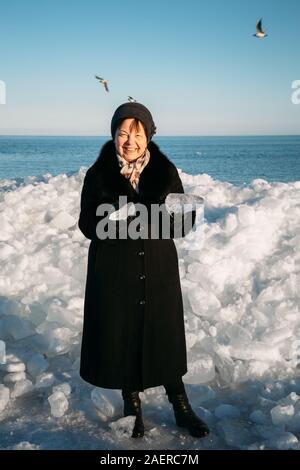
(141, 253)
(142, 302)
(142, 276)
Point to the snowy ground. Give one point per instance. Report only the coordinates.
(241, 297)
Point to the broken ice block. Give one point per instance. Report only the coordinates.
(58, 403)
(37, 364)
(2, 352)
(123, 212)
(4, 396)
(178, 202)
(106, 401)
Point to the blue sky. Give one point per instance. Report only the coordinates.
(194, 63)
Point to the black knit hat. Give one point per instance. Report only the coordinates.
(133, 110)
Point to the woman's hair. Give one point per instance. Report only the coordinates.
(134, 125)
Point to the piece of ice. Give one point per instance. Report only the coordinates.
(46, 379)
(36, 365)
(277, 335)
(284, 442)
(21, 387)
(181, 203)
(258, 416)
(15, 327)
(290, 399)
(204, 393)
(123, 427)
(282, 414)
(13, 367)
(63, 221)
(227, 411)
(4, 396)
(203, 303)
(25, 445)
(234, 433)
(14, 377)
(2, 352)
(106, 401)
(64, 387)
(124, 211)
(256, 350)
(201, 369)
(58, 403)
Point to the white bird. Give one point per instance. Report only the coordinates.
(259, 31)
(132, 100)
(103, 81)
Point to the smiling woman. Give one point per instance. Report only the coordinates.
(133, 332)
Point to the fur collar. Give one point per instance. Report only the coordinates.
(155, 179)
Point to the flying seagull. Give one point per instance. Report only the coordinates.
(132, 100)
(103, 81)
(259, 31)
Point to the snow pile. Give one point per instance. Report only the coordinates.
(241, 300)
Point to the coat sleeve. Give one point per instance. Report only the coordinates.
(88, 219)
(88, 206)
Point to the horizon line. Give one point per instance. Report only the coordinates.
(158, 136)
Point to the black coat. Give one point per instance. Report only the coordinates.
(133, 330)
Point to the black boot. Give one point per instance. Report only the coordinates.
(132, 406)
(185, 416)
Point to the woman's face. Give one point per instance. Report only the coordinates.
(130, 143)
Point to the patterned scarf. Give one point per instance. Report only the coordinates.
(132, 170)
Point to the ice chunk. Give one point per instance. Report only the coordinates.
(58, 403)
(4, 396)
(25, 445)
(14, 377)
(21, 387)
(256, 350)
(277, 335)
(123, 427)
(37, 364)
(13, 367)
(235, 433)
(181, 203)
(124, 211)
(237, 334)
(290, 399)
(282, 414)
(46, 379)
(202, 393)
(227, 411)
(2, 352)
(231, 223)
(63, 221)
(106, 402)
(16, 327)
(284, 442)
(205, 415)
(202, 302)
(64, 387)
(59, 340)
(257, 416)
(201, 369)
(246, 215)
